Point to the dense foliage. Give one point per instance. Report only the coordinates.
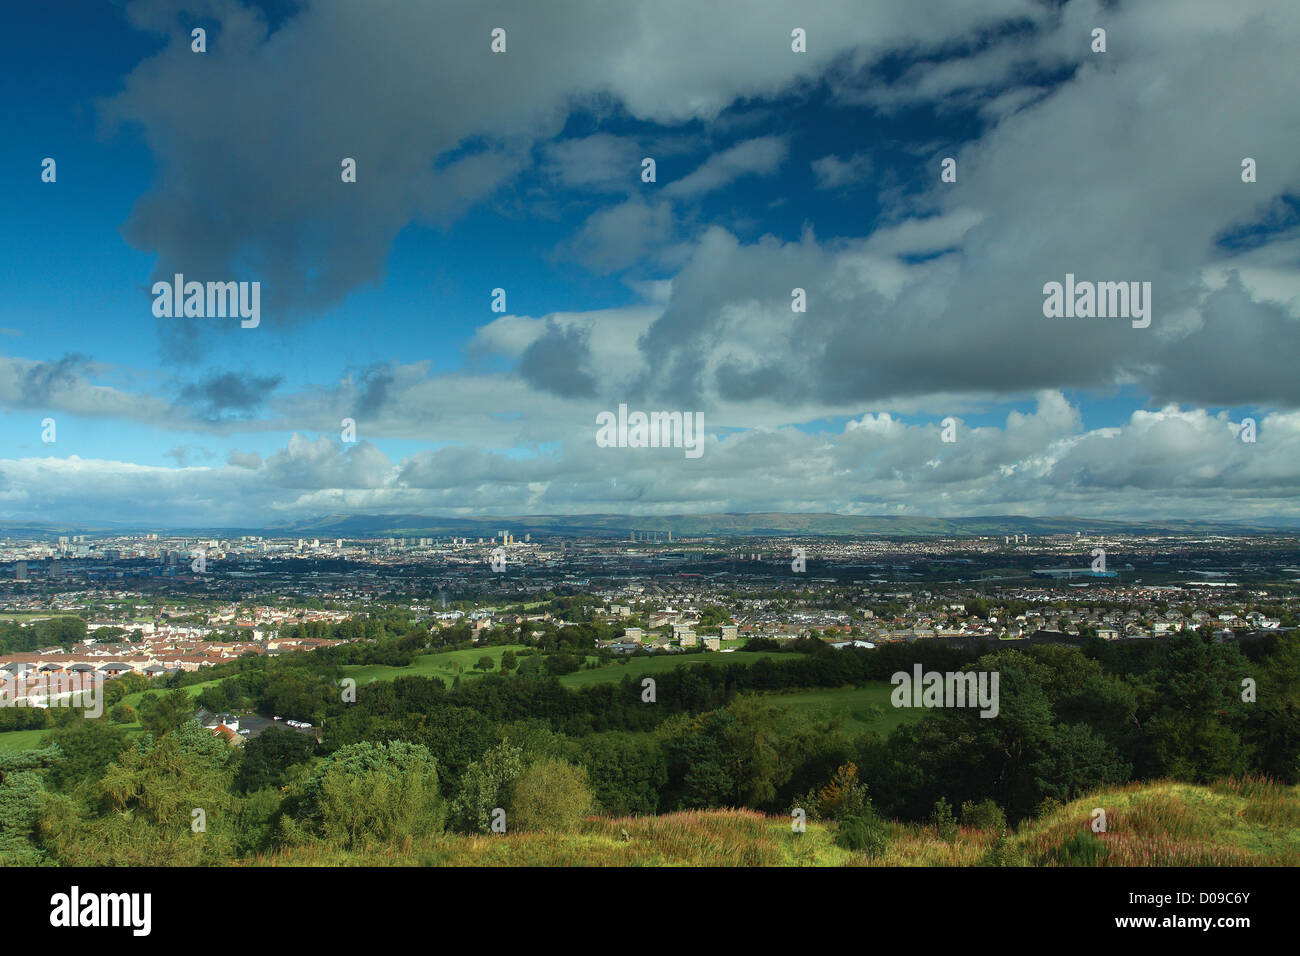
(516, 750)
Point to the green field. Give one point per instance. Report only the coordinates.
(867, 708)
(443, 665)
(641, 666)
(21, 739)
(194, 691)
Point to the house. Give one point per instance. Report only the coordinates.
(229, 734)
(712, 643)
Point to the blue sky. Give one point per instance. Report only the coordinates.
(521, 170)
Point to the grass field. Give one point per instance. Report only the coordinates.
(194, 691)
(442, 665)
(21, 739)
(867, 708)
(638, 667)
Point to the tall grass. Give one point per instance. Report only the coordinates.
(1237, 822)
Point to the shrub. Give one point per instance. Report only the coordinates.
(1047, 806)
(866, 833)
(944, 821)
(985, 815)
(122, 714)
(1082, 849)
(1002, 853)
(367, 793)
(845, 796)
(549, 795)
(484, 786)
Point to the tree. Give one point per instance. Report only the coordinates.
(484, 663)
(374, 793)
(21, 792)
(268, 757)
(626, 773)
(550, 795)
(738, 755)
(161, 714)
(485, 787)
(87, 747)
(944, 822)
(845, 796)
(147, 807)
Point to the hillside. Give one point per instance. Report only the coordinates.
(1228, 823)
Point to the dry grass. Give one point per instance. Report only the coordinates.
(1247, 822)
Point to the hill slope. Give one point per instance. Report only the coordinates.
(1228, 823)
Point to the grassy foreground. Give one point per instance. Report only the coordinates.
(1229, 823)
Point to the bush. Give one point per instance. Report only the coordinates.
(484, 786)
(944, 821)
(985, 815)
(1002, 853)
(1082, 849)
(122, 714)
(1047, 806)
(370, 793)
(845, 796)
(863, 834)
(550, 795)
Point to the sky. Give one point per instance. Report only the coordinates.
(922, 376)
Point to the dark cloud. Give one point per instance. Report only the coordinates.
(43, 382)
(558, 362)
(227, 392)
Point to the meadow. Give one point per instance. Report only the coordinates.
(1236, 822)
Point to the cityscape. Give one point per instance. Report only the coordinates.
(525, 438)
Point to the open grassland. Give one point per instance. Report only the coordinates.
(1244, 822)
(865, 708)
(446, 666)
(21, 739)
(638, 667)
(1229, 823)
